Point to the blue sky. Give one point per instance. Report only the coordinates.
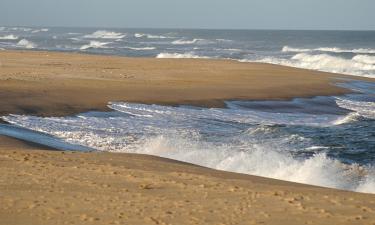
(234, 14)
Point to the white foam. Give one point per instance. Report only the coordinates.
(103, 34)
(95, 44)
(151, 36)
(140, 48)
(188, 55)
(26, 44)
(329, 49)
(361, 108)
(367, 59)
(9, 37)
(182, 133)
(189, 42)
(291, 49)
(40, 30)
(25, 29)
(328, 63)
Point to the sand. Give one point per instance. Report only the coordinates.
(49, 187)
(47, 83)
(53, 187)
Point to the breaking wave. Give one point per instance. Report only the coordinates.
(189, 42)
(361, 65)
(233, 139)
(189, 55)
(151, 36)
(95, 44)
(140, 48)
(26, 44)
(40, 30)
(9, 37)
(103, 34)
(329, 49)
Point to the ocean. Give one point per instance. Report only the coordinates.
(326, 140)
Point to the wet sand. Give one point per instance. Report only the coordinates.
(52, 187)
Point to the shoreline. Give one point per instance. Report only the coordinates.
(109, 188)
(61, 84)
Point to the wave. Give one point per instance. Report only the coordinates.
(291, 49)
(95, 44)
(361, 108)
(189, 42)
(358, 65)
(364, 59)
(26, 44)
(224, 139)
(150, 36)
(9, 37)
(140, 48)
(25, 29)
(188, 55)
(329, 49)
(223, 40)
(40, 30)
(103, 34)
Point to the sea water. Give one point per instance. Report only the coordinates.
(325, 141)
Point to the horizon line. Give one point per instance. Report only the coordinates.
(189, 28)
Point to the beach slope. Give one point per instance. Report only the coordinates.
(53, 187)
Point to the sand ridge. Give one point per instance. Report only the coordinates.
(56, 84)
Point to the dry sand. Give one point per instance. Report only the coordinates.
(48, 83)
(51, 187)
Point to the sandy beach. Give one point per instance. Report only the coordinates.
(40, 186)
(49, 83)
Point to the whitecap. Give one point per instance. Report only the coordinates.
(327, 63)
(291, 49)
(26, 44)
(367, 59)
(178, 133)
(189, 42)
(187, 55)
(9, 37)
(329, 49)
(140, 48)
(103, 34)
(95, 44)
(151, 36)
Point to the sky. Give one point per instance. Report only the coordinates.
(213, 14)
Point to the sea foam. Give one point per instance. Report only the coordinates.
(193, 41)
(187, 55)
(95, 44)
(9, 37)
(330, 49)
(233, 139)
(103, 34)
(151, 36)
(140, 48)
(360, 65)
(26, 44)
